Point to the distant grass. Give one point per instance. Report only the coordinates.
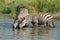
(50, 6)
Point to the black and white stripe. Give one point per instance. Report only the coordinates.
(39, 19)
(46, 19)
(21, 12)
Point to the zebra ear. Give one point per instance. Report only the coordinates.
(18, 9)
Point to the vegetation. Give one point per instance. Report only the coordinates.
(9, 6)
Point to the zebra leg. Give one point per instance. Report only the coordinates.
(34, 24)
(53, 24)
(50, 24)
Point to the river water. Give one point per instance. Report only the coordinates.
(37, 33)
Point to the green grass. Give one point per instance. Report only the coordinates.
(50, 6)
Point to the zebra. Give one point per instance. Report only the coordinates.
(21, 12)
(46, 19)
(38, 19)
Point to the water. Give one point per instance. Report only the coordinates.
(7, 33)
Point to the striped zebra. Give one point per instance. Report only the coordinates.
(37, 19)
(46, 19)
(21, 12)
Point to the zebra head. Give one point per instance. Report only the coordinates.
(17, 22)
(22, 23)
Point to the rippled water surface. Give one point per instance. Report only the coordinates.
(37, 33)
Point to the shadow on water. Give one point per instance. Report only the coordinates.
(36, 33)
